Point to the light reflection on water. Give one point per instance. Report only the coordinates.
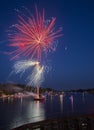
(83, 97)
(61, 102)
(21, 111)
(34, 112)
(72, 102)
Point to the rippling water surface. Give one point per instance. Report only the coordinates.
(14, 113)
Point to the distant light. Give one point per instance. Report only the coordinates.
(66, 48)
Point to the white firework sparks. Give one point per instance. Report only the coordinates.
(22, 66)
(37, 76)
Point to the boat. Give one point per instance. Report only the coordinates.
(39, 97)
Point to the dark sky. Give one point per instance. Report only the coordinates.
(73, 62)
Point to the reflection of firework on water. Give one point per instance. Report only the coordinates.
(37, 76)
(33, 35)
(72, 101)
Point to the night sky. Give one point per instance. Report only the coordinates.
(73, 61)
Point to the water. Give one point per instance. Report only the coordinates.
(14, 113)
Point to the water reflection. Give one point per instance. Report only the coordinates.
(52, 97)
(61, 102)
(21, 100)
(16, 112)
(83, 97)
(72, 102)
(36, 111)
(30, 112)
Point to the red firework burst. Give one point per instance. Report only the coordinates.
(33, 36)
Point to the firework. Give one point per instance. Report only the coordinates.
(22, 66)
(37, 76)
(33, 36)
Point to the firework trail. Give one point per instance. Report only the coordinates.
(22, 66)
(37, 76)
(33, 35)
